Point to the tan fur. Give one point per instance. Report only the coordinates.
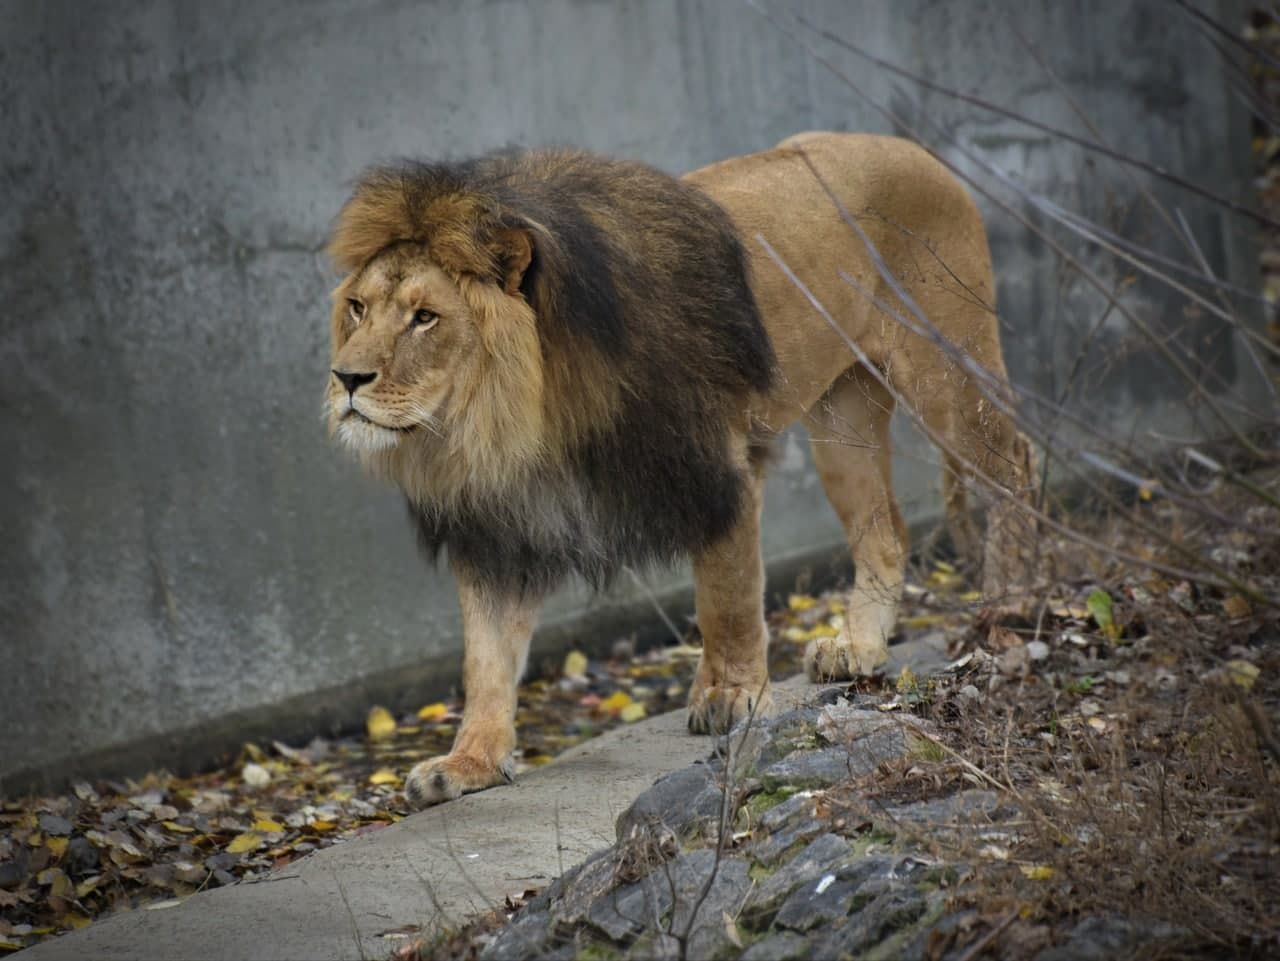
(507, 407)
(927, 229)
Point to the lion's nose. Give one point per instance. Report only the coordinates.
(353, 380)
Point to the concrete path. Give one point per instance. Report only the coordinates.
(436, 868)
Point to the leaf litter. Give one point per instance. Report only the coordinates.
(124, 844)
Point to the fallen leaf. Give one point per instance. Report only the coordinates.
(255, 775)
(433, 712)
(268, 826)
(380, 724)
(1241, 673)
(731, 931)
(57, 845)
(1100, 606)
(1037, 872)
(575, 665)
(632, 712)
(801, 602)
(384, 775)
(1237, 606)
(615, 702)
(322, 825)
(249, 841)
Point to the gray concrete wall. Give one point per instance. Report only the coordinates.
(186, 561)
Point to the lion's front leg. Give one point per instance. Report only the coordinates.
(496, 633)
(733, 675)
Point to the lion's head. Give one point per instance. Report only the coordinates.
(435, 363)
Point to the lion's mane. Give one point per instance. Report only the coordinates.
(613, 442)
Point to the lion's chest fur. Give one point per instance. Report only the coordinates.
(646, 492)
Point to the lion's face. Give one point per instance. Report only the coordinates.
(403, 337)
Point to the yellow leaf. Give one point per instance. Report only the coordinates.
(77, 921)
(35, 839)
(836, 607)
(632, 712)
(1236, 606)
(1037, 872)
(801, 602)
(380, 724)
(180, 828)
(615, 702)
(384, 775)
(969, 596)
(433, 712)
(249, 841)
(322, 825)
(7, 944)
(85, 888)
(575, 664)
(59, 884)
(268, 826)
(1242, 673)
(906, 681)
(57, 845)
(943, 567)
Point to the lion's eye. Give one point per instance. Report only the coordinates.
(424, 319)
(356, 309)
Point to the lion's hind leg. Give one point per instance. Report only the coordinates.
(732, 681)
(849, 434)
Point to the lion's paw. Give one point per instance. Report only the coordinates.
(716, 708)
(843, 659)
(452, 775)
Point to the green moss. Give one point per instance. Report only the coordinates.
(762, 801)
(597, 951)
(923, 749)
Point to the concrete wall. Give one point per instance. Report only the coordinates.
(186, 561)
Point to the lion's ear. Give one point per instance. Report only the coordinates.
(514, 249)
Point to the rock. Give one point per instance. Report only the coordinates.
(823, 854)
(572, 895)
(788, 732)
(676, 888)
(882, 918)
(528, 935)
(820, 768)
(779, 946)
(81, 858)
(708, 936)
(842, 723)
(12, 874)
(685, 801)
(822, 902)
(770, 850)
(625, 913)
(55, 825)
(780, 815)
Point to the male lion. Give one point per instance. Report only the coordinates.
(570, 364)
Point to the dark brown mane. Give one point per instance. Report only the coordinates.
(650, 343)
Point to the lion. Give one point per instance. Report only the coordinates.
(571, 364)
